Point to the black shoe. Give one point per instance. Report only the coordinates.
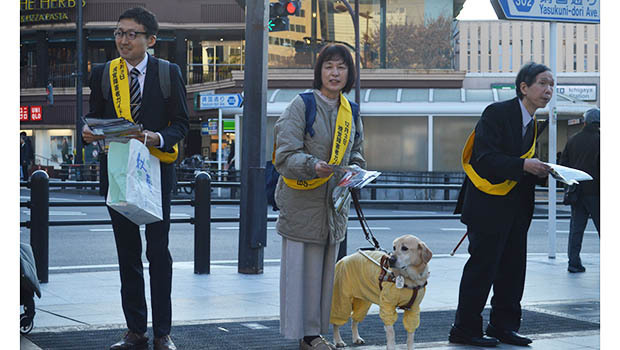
(576, 269)
(459, 336)
(132, 341)
(507, 336)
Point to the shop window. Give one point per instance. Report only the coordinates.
(407, 149)
(449, 136)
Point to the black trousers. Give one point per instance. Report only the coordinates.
(129, 250)
(498, 260)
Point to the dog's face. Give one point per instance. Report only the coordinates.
(410, 257)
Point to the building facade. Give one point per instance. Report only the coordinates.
(415, 92)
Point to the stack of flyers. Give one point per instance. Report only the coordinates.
(353, 177)
(114, 129)
(356, 177)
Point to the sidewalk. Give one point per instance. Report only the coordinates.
(90, 301)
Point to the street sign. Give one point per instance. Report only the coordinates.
(585, 92)
(581, 11)
(215, 101)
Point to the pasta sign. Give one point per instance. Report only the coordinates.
(47, 11)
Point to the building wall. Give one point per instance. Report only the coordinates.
(504, 46)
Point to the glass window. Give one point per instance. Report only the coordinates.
(449, 136)
(407, 149)
(351, 94)
(447, 95)
(478, 95)
(418, 34)
(383, 95)
(414, 95)
(287, 95)
(506, 94)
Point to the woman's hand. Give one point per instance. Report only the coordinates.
(323, 169)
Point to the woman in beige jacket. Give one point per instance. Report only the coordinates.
(310, 227)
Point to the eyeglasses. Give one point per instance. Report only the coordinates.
(118, 34)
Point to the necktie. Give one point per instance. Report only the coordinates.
(528, 138)
(136, 97)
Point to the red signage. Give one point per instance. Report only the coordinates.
(23, 113)
(35, 113)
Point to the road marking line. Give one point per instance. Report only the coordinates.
(146, 264)
(273, 228)
(180, 215)
(66, 213)
(453, 229)
(107, 229)
(566, 231)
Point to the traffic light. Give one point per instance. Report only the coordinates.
(279, 12)
(293, 8)
(49, 94)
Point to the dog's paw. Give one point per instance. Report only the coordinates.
(359, 341)
(341, 344)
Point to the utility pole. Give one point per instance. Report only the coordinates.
(253, 211)
(78, 82)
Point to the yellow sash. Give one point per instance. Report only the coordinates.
(119, 82)
(482, 184)
(339, 147)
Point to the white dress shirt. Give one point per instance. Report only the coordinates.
(526, 118)
(142, 68)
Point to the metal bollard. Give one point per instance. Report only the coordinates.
(39, 222)
(202, 224)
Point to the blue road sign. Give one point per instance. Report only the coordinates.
(215, 101)
(581, 11)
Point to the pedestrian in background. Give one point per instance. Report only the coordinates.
(26, 154)
(496, 203)
(583, 152)
(310, 227)
(165, 122)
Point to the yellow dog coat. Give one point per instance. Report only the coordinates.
(356, 288)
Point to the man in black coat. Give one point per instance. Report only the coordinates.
(583, 152)
(496, 203)
(165, 122)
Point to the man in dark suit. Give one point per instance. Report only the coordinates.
(496, 203)
(165, 123)
(583, 152)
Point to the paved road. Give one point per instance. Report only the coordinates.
(83, 246)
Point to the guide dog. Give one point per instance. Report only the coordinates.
(399, 281)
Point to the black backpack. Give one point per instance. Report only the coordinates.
(271, 174)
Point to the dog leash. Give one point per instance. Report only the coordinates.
(360, 216)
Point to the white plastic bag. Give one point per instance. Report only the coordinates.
(134, 182)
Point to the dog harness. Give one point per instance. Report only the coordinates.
(383, 276)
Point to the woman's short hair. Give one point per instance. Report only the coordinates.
(334, 52)
(528, 74)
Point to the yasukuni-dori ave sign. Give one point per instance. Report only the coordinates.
(580, 11)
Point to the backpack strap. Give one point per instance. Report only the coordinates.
(164, 79)
(105, 81)
(310, 103)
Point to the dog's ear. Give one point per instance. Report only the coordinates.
(426, 253)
